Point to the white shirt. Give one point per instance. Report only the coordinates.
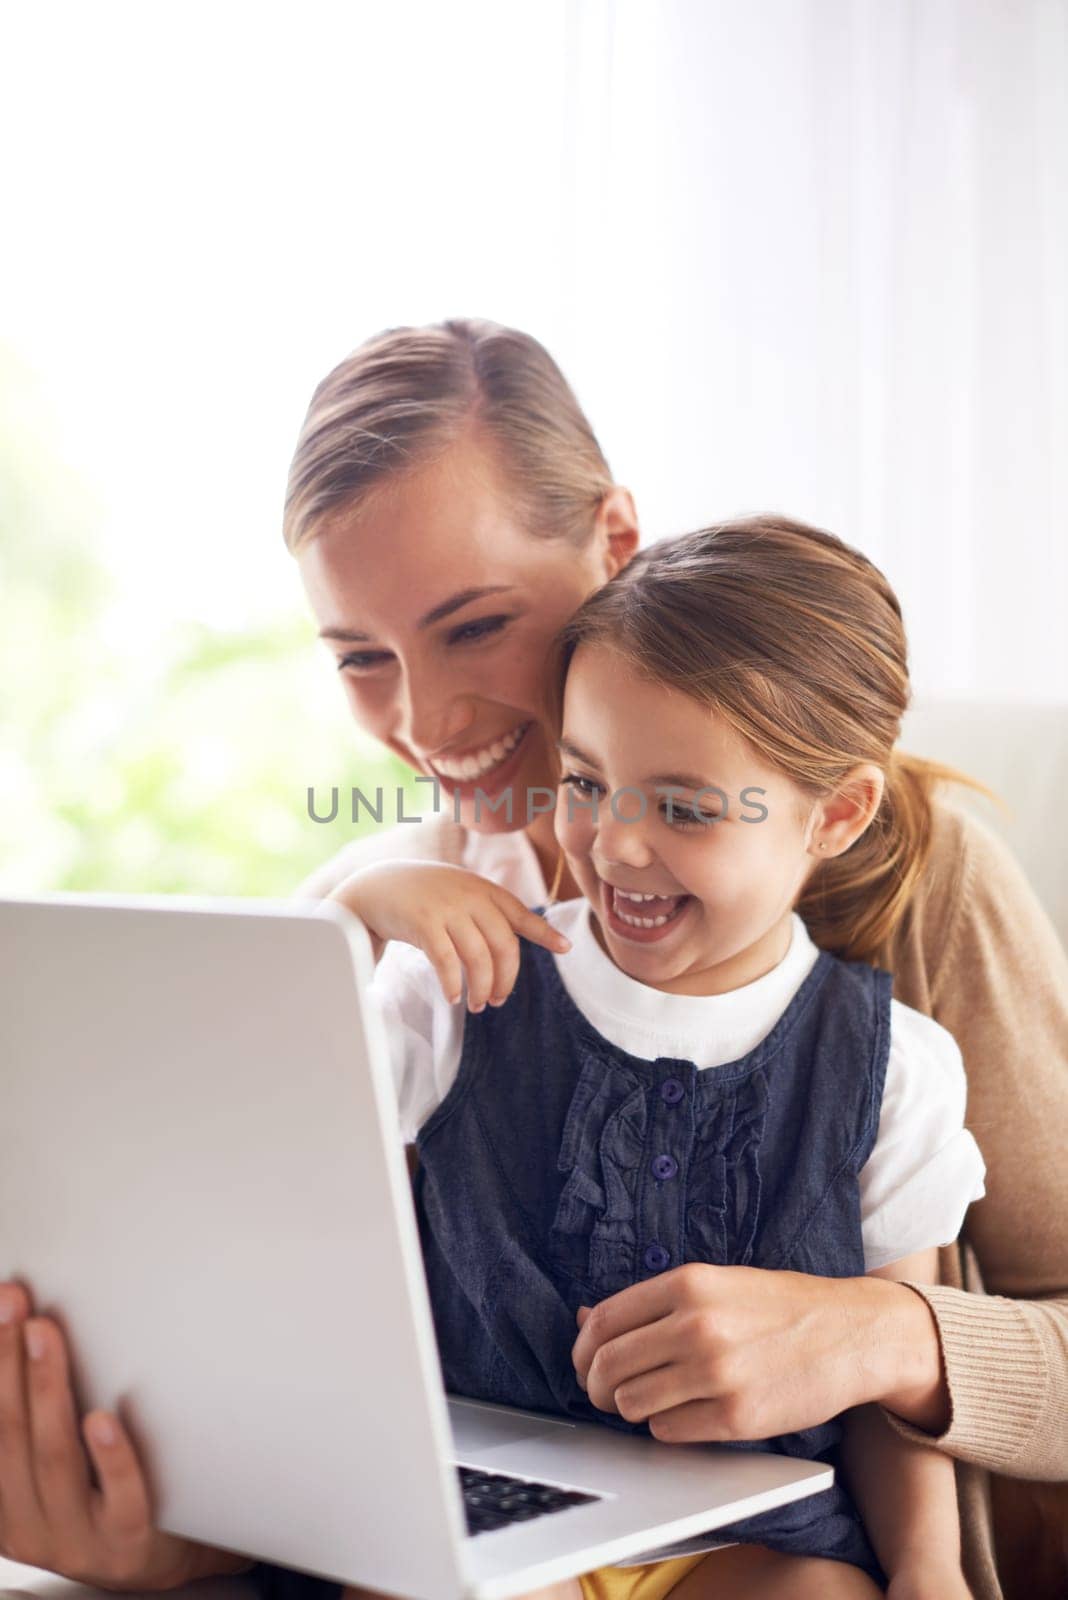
(925, 1168)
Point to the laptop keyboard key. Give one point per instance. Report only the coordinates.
(495, 1499)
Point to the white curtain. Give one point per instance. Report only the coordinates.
(823, 268)
(802, 254)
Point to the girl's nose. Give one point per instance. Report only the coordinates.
(620, 839)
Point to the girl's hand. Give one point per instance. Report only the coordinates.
(464, 924)
(51, 1515)
(717, 1353)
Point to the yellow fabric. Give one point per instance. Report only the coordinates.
(648, 1582)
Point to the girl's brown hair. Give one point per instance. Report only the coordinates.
(407, 394)
(797, 641)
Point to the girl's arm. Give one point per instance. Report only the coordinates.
(906, 1493)
(466, 926)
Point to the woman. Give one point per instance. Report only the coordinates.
(449, 508)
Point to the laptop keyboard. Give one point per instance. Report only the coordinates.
(492, 1500)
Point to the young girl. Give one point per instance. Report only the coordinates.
(671, 1084)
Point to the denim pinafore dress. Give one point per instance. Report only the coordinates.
(560, 1169)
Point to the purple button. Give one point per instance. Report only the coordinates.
(664, 1167)
(656, 1258)
(671, 1091)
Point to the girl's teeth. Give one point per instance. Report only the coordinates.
(672, 902)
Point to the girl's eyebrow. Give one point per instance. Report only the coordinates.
(680, 780)
(676, 780)
(566, 748)
(435, 614)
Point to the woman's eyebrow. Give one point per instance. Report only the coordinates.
(345, 635)
(435, 614)
(463, 598)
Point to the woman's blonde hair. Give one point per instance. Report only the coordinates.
(797, 641)
(407, 394)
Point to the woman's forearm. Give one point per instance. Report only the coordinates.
(766, 1352)
(1006, 1378)
(909, 1376)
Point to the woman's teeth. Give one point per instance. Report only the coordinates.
(661, 907)
(481, 761)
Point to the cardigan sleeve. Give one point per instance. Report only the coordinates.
(1006, 1363)
(996, 975)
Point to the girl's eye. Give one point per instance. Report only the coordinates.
(681, 814)
(362, 660)
(575, 780)
(481, 628)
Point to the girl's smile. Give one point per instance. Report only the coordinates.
(642, 917)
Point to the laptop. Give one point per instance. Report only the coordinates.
(201, 1174)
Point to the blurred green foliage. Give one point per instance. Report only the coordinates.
(188, 773)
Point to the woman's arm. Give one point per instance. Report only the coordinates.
(714, 1353)
(906, 1493)
(979, 954)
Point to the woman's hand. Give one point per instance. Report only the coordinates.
(714, 1353)
(464, 924)
(51, 1514)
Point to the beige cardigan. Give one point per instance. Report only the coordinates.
(978, 953)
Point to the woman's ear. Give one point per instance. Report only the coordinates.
(841, 818)
(615, 530)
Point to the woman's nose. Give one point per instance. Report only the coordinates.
(430, 719)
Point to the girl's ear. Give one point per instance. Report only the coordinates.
(841, 818)
(615, 530)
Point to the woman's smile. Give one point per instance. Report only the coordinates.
(480, 761)
(488, 771)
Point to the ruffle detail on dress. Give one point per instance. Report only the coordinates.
(594, 1237)
(724, 1186)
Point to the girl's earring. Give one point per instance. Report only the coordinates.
(823, 845)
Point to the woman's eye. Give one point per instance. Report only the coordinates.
(479, 629)
(362, 660)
